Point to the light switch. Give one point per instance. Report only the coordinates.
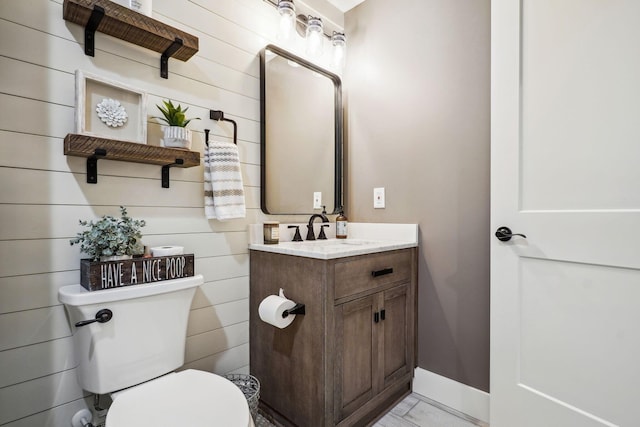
(378, 198)
(317, 200)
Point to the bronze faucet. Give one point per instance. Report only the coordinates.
(310, 234)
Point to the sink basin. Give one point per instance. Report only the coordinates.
(329, 244)
(334, 242)
(358, 242)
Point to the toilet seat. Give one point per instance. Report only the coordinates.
(186, 398)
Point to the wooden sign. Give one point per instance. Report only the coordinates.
(99, 275)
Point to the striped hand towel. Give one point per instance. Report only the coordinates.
(223, 190)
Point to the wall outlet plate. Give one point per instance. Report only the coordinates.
(378, 198)
(317, 200)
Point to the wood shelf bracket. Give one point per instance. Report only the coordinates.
(164, 59)
(90, 30)
(92, 165)
(165, 172)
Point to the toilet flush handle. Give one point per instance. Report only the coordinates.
(102, 316)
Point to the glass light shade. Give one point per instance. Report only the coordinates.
(314, 36)
(287, 12)
(339, 42)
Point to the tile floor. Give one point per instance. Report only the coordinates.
(415, 411)
(418, 411)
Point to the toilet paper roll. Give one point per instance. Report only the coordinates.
(167, 250)
(271, 309)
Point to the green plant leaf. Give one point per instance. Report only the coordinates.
(110, 236)
(173, 116)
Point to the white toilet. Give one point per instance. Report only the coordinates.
(133, 355)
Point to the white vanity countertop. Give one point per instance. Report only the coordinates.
(363, 238)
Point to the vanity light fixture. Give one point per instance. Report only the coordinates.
(287, 12)
(314, 36)
(311, 29)
(339, 42)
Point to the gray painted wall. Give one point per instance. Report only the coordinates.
(418, 104)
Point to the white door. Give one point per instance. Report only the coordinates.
(565, 300)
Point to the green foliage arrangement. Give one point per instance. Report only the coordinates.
(174, 116)
(110, 236)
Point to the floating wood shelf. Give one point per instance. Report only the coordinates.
(118, 21)
(94, 148)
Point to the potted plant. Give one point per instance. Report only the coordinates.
(111, 237)
(176, 133)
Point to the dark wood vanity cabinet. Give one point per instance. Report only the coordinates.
(352, 355)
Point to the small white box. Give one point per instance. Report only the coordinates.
(167, 250)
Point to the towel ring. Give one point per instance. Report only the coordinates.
(218, 116)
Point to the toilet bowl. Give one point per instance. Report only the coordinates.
(186, 398)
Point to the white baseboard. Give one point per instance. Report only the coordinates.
(453, 394)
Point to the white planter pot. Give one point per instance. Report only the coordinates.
(176, 137)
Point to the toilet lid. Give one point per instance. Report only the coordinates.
(187, 398)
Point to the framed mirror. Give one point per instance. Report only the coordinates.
(301, 134)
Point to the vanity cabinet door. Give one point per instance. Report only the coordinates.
(356, 355)
(395, 320)
(372, 347)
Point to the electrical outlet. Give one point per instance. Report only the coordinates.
(317, 200)
(378, 198)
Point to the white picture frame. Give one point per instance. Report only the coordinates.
(92, 90)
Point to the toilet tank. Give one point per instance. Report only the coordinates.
(144, 339)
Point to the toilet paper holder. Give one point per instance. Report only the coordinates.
(296, 309)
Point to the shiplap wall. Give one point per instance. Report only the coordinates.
(43, 193)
